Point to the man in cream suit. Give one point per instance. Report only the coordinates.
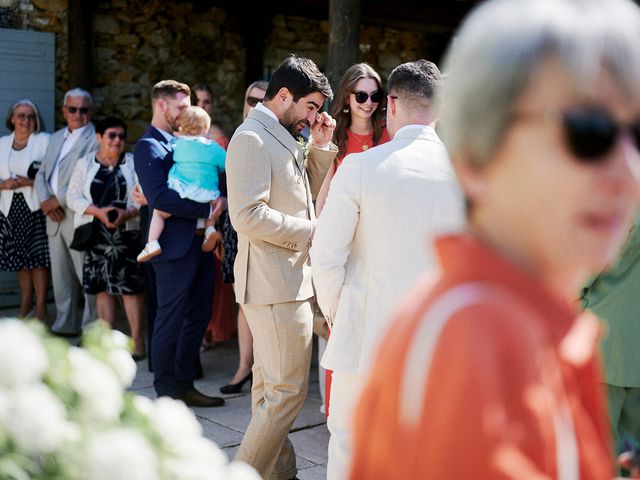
(67, 145)
(271, 180)
(374, 238)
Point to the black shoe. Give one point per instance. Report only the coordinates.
(236, 387)
(65, 334)
(137, 357)
(194, 398)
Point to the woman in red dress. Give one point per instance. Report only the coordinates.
(359, 112)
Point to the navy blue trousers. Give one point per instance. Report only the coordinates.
(184, 293)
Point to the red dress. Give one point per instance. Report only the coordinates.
(222, 325)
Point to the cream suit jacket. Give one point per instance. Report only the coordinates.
(270, 187)
(374, 237)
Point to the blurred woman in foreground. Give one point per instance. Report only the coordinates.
(488, 372)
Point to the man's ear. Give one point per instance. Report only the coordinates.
(283, 94)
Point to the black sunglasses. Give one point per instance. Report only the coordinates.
(590, 133)
(253, 101)
(114, 135)
(82, 110)
(362, 97)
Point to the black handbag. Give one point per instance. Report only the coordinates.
(86, 235)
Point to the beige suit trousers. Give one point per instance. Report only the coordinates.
(282, 356)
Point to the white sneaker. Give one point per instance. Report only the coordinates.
(150, 250)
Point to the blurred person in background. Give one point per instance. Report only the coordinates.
(489, 371)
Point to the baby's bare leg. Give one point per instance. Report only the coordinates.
(156, 226)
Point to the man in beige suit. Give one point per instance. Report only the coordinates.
(271, 180)
(374, 238)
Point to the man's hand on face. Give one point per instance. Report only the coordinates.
(322, 130)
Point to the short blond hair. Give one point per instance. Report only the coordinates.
(193, 120)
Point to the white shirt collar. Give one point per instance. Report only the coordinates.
(263, 109)
(407, 127)
(166, 135)
(75, 133)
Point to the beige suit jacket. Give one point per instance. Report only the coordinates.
(270, 189)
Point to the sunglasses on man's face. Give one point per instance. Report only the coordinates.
(82, 110)
(253, 101)
(591, 133)
(362, 97)
(114, 135)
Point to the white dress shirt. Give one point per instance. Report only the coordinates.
(70, 139)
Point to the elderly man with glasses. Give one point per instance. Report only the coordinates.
(67, 145)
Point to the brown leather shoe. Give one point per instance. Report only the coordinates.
(194, 398)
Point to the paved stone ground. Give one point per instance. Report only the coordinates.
(226, 425)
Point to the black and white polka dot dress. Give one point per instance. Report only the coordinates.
(23, 237)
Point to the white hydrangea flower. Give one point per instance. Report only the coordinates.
(4, 406)
(122, 454)
(123, 365)
(120, 340)
(144, 405)
(36, 419)
(174, 423)
(98, 387)
(241, 471)
(208, 462)
(23, 359)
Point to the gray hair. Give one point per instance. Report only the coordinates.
(78, 92)
(29, 103)
(499, 46)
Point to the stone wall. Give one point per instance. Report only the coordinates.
(135, 44)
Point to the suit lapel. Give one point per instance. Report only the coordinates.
(57, 139)
(85, 136)
(277, 131)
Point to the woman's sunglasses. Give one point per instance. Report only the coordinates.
(590, 133)
(253, 101)
(362, 97)
(114, 135)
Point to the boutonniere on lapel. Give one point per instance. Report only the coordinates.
(304, 146)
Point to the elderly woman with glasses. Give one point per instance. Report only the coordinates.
(100, 188)
(489, 371)
(24, 247)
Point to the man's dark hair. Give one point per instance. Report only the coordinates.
(415, 83)
(106, 123)
(168, 88)
(301, 77)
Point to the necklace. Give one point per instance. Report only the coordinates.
(17, 146)
(363, 140)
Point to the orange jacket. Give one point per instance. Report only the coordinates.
(486, 374)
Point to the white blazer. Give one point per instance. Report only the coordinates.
(374, 237)
(79, 191)
(35, 149)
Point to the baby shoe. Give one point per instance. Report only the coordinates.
(150, 250)
(211, 238)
